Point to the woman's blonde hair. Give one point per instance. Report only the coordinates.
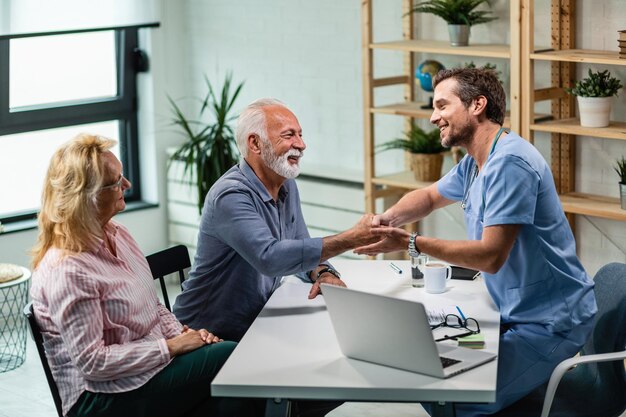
(69, 216)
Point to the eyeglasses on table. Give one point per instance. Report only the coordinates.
(456, 322)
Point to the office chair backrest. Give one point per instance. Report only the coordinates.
(168, 261)
(38, 338)
(609, 334)
(606, 394)
(595, 388)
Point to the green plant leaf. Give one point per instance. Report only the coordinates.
(456, 12)
(620, 168)
(416, 140)
(211, 147)
(597, 84)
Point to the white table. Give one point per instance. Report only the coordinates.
(291, 351)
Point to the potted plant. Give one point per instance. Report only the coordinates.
(211, 147)
(425, 149)
(594, 95)
(487, 66)
(620, 168)
(459, 14)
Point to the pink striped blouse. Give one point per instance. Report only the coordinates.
(104, 328)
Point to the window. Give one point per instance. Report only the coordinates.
(53, 86)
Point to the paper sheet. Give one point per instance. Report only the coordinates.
(438, 314)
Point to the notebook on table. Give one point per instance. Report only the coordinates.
(394, 332)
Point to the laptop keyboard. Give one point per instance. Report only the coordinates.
(445, 362)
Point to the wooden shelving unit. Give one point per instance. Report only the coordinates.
(399, 183)
(571, 126)
(580, 55)
(444, 47)
(593, 205)
(565, 127)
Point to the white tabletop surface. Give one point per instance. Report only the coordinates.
(291, 351)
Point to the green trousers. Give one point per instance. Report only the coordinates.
(183, 388)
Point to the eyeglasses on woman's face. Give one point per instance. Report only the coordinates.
(117, 185)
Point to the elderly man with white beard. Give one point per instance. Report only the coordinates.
(252, 232)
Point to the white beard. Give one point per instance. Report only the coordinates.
(280, 163)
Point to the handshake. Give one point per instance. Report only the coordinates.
(374, 234)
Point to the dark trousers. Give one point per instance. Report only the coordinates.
(183, 388)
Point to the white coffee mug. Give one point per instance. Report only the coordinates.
(436, 276)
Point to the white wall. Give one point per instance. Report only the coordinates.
(305, 53)
(308, 54)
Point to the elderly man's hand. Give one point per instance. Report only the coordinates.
(326, 278)
(362, 231)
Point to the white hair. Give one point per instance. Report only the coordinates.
(252, 121)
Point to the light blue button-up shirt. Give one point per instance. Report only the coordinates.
(247, 242)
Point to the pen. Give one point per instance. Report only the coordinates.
(395, 267)
(460, 312)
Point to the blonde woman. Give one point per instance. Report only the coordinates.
(113, 348)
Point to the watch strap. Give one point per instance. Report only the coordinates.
(413, 249)
(330, 271)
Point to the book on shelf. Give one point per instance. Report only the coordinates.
(622, 35)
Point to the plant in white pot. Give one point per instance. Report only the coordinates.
(459, 14)
(425, 149)
(594, 94)
(620, 168)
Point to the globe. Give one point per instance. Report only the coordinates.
(425, 73)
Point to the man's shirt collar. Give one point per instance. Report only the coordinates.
(258, 185)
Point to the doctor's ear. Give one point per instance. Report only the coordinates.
(480, 104)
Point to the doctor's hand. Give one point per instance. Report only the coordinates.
(380, 220)
(392, 239)
(326, 278)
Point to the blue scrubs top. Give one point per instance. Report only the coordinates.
(542, 281)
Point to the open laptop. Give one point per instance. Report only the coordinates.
(394, 332)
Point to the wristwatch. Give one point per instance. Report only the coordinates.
(413, 249)
(330, 271)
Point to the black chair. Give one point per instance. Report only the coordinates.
(168, 261)
(38, 338)
(593, 383)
